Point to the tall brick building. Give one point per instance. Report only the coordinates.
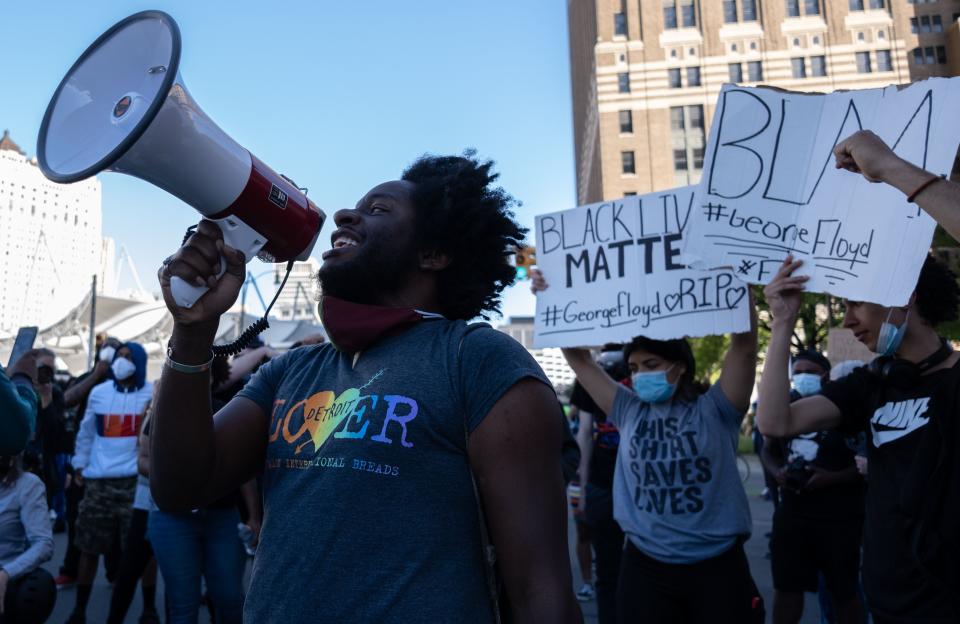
(646, 73)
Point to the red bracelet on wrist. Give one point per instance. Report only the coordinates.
(922, 187)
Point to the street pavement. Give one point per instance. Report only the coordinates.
(756, 549)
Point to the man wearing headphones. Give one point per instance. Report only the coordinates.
(907, 401)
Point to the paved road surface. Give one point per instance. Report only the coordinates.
(756, 550)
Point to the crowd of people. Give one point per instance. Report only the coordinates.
(81, 466)
(414, 467)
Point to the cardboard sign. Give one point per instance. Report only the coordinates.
(842, 345)
(770, 187)
(614, 272)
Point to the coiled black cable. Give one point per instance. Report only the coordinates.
(257, 327)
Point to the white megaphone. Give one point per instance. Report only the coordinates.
(124, 107)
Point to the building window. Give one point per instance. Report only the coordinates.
(928, 53)
(924, 24)
(937, 24)
(698, 158)
(811, 7)
(914, 25)
(676, 118)
(730, 11)
(620, 24)
(680, 160)
(863, 63)
(629, 193)
(754, 71)
(856, 5)
(623, 82)
(695, 115)
(629, 166)
(941, 55)
(884, 61)
(736, 72)
(688, 13)
(693, 76)
(749, 10)
(673, 78)
(793, 8)
(877, 4)
(799, 67)
(818, 66)
(626, 122)
(689, 142)
(669, 14)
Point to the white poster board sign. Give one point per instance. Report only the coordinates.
(770, 187)
(614, 272)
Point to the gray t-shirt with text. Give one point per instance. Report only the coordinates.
(677, 491)
(370, 514)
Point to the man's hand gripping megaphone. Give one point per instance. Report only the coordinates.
(200, 261)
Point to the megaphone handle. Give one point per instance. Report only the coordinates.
(238, 235)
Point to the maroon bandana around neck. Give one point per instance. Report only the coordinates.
(352, 327)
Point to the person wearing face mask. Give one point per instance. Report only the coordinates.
(75, 401)
(907, 401)
(106, 463)
(817, 526)
(677, 493)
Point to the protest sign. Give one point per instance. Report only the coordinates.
(842, 345)
(770, 187)
(614, 272)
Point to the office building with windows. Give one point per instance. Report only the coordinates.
(646, 73)
(50, 238)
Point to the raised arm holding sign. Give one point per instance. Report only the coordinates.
(866, 153)
(770, 189)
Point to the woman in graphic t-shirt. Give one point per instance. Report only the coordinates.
(677, 492)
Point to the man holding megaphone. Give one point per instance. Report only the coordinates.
(368, 446)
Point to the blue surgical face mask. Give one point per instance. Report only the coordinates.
(891, 336)
(653, 387)
(807, 384)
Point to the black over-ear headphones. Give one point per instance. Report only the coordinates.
(904, 373)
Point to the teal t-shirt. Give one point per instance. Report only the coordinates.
(677, 492)
(370, 514)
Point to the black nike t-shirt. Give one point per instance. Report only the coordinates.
(895, 420)
(606, 439)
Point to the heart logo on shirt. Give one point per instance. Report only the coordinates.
(322, 414)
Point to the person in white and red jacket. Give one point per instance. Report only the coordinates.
(106, 461)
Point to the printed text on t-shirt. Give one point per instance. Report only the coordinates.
(669, 469)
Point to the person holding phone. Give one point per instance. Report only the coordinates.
(18, 404)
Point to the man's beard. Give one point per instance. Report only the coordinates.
(375, 271)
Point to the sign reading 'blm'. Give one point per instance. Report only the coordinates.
(615, 272)
(770, 187)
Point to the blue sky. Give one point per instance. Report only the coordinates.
(337, 95)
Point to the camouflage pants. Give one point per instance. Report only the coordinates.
(104, 514)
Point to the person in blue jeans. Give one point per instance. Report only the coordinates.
(203, 542)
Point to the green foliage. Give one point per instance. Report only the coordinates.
(708, 352)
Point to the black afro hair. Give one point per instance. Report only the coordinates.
(463, 215)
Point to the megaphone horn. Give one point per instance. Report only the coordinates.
(124, 107)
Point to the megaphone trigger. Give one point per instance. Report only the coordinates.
(236, 234)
